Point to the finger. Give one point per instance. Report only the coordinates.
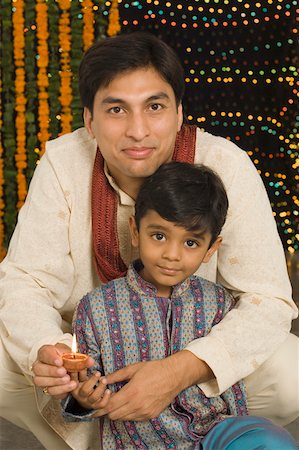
(122, 374)
(74, 376)
(83, 374)
(88, 387)
(49, 354)
(97, 394)
(126, 411)
(102, 403)
(61, 391)
(119, 414)
(51, 381)
(46, 370)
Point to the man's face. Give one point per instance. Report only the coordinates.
(169, 253)
(135, 121)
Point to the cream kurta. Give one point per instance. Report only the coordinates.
(49, 264)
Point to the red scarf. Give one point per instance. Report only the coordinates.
(104, 203)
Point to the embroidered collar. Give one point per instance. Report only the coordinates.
(143, 287)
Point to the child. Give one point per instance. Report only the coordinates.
(156, 310)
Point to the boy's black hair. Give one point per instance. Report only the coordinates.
(189, 195)
(108, 58)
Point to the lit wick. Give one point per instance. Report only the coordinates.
(74, 362)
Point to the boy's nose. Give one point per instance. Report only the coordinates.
(172, 252)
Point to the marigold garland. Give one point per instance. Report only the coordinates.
(64, 37)
(113, 25)
(88, 24)
(20, 105)
(42, 35)
(2, 204)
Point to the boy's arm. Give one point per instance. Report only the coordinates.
(90, 394)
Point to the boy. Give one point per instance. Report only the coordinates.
(156, 310)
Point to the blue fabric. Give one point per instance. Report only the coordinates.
(248, 433)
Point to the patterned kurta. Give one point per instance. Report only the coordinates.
(124, 322)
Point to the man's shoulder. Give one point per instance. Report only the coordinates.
(78, 142)
(208, 146)
(222, 156)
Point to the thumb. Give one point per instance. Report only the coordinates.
(51, 354)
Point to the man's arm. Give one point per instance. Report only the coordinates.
(251, 264)
(38, 273)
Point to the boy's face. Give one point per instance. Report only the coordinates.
(135, 121)
(169, 253)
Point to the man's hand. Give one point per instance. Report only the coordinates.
(49, 371)
(153, 385)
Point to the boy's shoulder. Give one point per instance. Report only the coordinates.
(107, 289)
(207, 286)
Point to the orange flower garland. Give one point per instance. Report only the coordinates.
(64, 38)
(88, 24)
(20, 106)
(113, 25)
(2, 205)
(42, 35)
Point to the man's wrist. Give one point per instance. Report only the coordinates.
(189, 369)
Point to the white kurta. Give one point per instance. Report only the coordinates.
(49, 265)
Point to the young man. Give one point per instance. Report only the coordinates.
(76, 214)
(156, 310)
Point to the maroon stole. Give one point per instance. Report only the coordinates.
(104, 203)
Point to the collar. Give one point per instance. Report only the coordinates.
(142, 287)
(124, 198)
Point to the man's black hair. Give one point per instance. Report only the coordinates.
(108, 58)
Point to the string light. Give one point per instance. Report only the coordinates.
(213, 60)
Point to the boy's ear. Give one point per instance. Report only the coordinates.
(134, 231)
(214, 247)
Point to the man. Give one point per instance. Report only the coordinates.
(73, 232)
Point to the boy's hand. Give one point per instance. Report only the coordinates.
(93, 393)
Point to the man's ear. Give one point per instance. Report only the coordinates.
(134, 232)
(214, 247)
(87, 116)
(180, 116)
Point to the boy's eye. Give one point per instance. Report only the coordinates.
(191, 244)
(158, 236)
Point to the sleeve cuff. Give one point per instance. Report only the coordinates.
(214, 354)
(72, 411)
(52, 340)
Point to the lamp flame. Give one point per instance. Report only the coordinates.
(74, 344)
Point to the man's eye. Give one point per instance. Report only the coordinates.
(116, 110)
(191, 244)
(155, 107)
(158, 237)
